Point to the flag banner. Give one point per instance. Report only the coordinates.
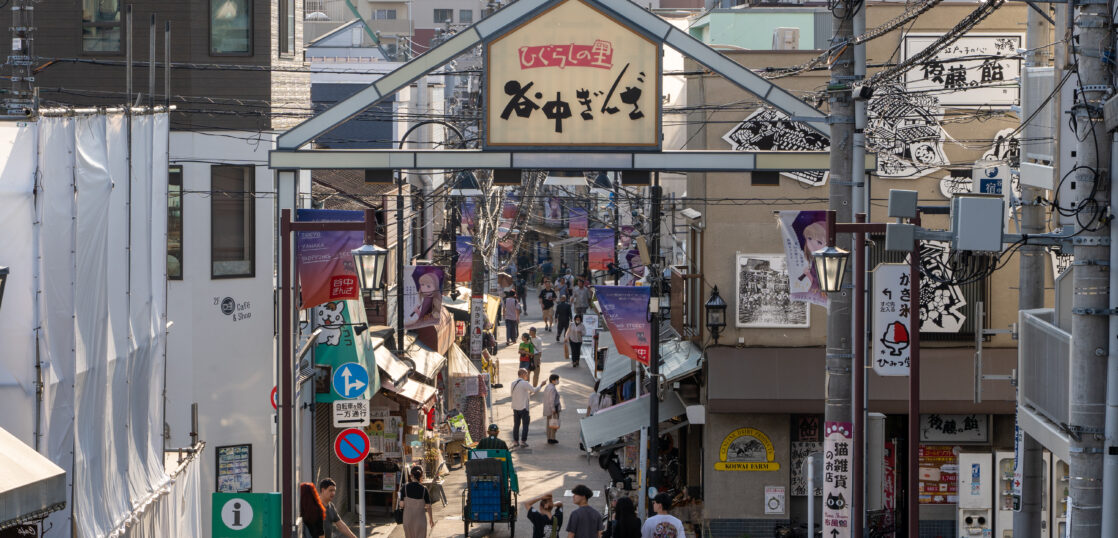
(553, 212)
(601, 248)
(423, 295)
(625, 309)
(468, 217)
(325, 260)
(579, 221)
(803, 232)
(463, 270)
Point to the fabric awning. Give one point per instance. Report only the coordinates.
(627, 417)
(30, 484)
(616, 368)
(416, 391)
(459, 363)
(678, 359)
(427, 361)
(392, 366)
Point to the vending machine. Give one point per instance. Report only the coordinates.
(1004, 502)
(1059, 497)
(976, 494)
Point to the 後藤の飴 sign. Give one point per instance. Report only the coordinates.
(574, 77)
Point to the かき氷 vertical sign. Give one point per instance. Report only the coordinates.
(892, 289)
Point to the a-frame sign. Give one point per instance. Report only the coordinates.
(562, 76)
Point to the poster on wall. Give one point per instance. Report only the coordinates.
(800, 451)
(772, 130)
(892, 291)
(774, 500)
(423, 296)
(803, 232)
(234, 469)
(941, 302)
(836, 479)
(601, 248)
(763, 299)
(464, 269)
(938, 469)
(325, 259)
(974, 70)
(579, 222)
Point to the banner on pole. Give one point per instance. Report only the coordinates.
(625, 309)
(468, 217)
(837, 490)
(891, 292)
(423, 295)
(578, 221)
(803, 232)
(325, 259)
(601, 248)
(463, 270)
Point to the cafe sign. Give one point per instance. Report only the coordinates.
(746, 449)
(573, 77)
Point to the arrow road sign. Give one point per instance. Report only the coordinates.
(351, 446)
(350, 380)
(351, 413)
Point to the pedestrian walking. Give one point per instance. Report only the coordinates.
(492, 442)
(552, 406)
(547, 304)
(417, 501)
(574, 340)
(563, 315)
(312, 511)
(625, 523)
(585, 521)
(663, 524)
(547, 520)
(580, 298)
(512, 318)
(537, 359)
(327, 490)
(561, 287)
(522, 392)
(527, 352)
(522, 292)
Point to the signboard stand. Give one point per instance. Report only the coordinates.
(352, 447)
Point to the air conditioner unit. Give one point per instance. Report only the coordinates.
(786, 39)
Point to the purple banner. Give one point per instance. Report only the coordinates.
(579, 222)
(553, 212)
(423, 295)
(463, 270)
(468, 217)
(325, 262)
(601, 248)
(625, 309)
(803, 232)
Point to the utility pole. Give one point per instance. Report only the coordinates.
(839, 356)
(1030, 295)
(654, 276)
(859, 209)
(1090, 276)
(477, 290)
(22, 101)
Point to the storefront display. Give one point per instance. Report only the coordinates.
(939, 469)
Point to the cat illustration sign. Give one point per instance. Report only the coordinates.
(236, 515)
(351, 446)
(350, 380)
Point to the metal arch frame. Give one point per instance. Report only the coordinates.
(508, 18)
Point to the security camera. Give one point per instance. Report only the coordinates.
(690, 213)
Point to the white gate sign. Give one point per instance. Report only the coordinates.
(975, 70)
(572, 77)
(891, 291)
(351, 413)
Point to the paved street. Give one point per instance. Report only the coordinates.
(541, 468)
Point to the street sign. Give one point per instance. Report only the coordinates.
(245, 515)
(275, 398)
(351, 446)
(891, 337)
(351, 413)
(988, 177)
(350, 380)
(477, 323)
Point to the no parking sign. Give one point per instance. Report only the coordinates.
(351, 446)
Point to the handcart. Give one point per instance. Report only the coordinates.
(491, 490)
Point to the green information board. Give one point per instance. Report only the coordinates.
(246, 515)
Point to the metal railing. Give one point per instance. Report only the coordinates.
(1044, 352)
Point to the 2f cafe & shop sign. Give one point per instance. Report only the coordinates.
(573, 77)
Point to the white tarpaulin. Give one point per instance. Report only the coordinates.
(97, 226)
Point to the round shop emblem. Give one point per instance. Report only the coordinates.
(228, 305)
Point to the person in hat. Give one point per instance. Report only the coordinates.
(492, 442)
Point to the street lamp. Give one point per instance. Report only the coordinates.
(716, 314)
(465, 184)
(830, 267)
(370, 261)
(3, 281)
(601, 181)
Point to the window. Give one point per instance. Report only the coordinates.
(287, 27)
(231, 27)
(764, 178)
(101, 25)
(174, 223)
(385, 14)
(466, 16)
(444, 15)
(232, 222)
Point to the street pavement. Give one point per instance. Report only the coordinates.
(542, 468)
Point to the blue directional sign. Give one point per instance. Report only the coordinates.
(350, 380)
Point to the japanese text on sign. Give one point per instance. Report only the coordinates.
(351, 413)
(836, 479)
(954, 428)
(975, 70)
(892, 291)
(573, 77)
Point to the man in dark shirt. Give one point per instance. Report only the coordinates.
(562, 317)
(547, 303)
(585, 521)
(327, 489)
(548, 519)
(492, 442)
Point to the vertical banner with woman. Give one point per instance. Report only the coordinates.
(601, 248)
(803, 232)
(625, 309)
(468, 217)
(423, 295)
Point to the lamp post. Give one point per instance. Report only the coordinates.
(716, 314)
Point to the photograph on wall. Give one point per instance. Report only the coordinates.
(763, 298)
(803, 232)
(423, 295)
(771, 130)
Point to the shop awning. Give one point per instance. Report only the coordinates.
(627, 417)
(427, 362)
(616, 368)
(459, 363)
(416, 391)
(679, 359)
(393, 367)
(30, 485)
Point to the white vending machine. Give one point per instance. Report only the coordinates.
(976, 495)
(1004, 502)
(1059, 497)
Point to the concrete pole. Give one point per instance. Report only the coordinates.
(1110, 458)
(1090, 278)
(838, 359)
(858, 370)
(654, 277)
(1030, 295)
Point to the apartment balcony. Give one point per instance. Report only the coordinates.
(1044, 361)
